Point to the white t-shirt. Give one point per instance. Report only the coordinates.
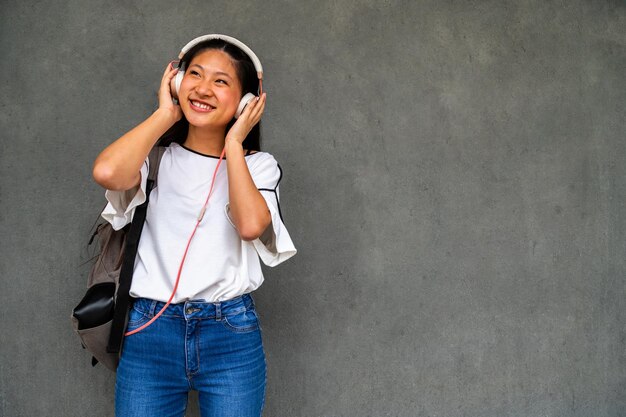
(219, 264)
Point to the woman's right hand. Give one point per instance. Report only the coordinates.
(166, 102)
(118, 165)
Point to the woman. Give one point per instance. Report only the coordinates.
(208, 338)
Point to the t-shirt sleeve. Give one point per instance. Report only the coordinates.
(121, 204)
(274, 246)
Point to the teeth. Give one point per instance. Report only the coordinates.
(201, 105)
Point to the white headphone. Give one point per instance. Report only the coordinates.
(255, 60)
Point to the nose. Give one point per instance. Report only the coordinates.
(203, 88)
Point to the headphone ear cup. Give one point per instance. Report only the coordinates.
(243, 103)
(177, 80)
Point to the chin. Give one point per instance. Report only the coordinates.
(207, 120)
(204, 124)
(200, 120)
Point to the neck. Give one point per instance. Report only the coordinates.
(205, 142)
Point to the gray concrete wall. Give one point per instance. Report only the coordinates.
(455, 178)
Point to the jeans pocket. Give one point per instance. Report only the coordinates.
(242, 321)
(136, 319)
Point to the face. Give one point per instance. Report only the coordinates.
(210, 91)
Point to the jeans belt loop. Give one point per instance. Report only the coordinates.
(218, 311)
(153, 307)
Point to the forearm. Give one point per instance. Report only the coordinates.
(248, 208)
(117, 167)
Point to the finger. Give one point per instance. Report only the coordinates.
(259, 107)
(248, 109)
(165, 91)
(254, 119)
(261, 101)
(257, 112)
(167, 79)
(172, 73)
(254, 103)
(168, 68)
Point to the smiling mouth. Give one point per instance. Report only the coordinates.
(199, 106)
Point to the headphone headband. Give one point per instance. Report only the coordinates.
(231, 40)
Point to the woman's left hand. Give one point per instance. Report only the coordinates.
(250, 116)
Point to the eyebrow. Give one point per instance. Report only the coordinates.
(216, 72)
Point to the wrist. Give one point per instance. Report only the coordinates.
(165, 116)
(233, 145)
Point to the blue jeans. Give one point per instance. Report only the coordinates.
(214, 348)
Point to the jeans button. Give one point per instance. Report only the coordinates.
(189, 310)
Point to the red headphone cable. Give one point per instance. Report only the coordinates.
(180, 268)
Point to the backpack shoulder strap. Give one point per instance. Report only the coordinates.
(122, 299)
(154, 158)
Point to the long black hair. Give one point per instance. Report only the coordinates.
(249, 84)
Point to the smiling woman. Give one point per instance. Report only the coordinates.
(248, 74)
(190, 346)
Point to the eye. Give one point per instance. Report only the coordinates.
(194, 72)
(221, 81)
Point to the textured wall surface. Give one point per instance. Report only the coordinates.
(454, 180)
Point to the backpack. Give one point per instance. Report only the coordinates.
(101, 317)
